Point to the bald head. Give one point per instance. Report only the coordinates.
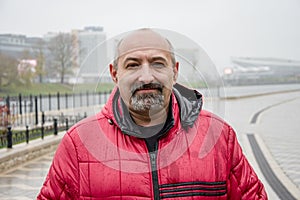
(143, 39)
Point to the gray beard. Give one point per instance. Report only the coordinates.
(146, 102)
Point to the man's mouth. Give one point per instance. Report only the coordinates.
(143, 91)
(147, 88)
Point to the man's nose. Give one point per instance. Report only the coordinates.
(146, 74)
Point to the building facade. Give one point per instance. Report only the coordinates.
(249, 70)
(91, 53)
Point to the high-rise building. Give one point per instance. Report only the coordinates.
(90, 53)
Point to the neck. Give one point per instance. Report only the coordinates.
(150, 117)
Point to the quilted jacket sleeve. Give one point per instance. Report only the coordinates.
(244, 183)
(62, 177)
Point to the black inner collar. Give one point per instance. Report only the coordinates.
(128, 126)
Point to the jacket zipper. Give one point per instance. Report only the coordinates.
(153, 161)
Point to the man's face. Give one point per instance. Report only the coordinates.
(145, 74)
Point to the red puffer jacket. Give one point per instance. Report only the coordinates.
(104, 157)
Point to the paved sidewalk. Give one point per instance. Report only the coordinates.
(24, 182)
(277, 131)
(279, 128)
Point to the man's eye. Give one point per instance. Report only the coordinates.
(132, 65)
(158, 65)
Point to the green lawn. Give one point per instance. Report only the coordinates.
(53, 88)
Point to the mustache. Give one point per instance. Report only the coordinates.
(140, 86)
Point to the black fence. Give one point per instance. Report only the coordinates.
(10, 137)
(24, 110)
(23, 118)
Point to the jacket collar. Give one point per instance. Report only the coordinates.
(187, 101)
(190, 104)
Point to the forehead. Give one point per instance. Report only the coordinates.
(149, 54)
(143, 40)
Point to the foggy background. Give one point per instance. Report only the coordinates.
(228, 28)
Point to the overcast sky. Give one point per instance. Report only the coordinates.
(224, 28)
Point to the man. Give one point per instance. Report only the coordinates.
(151, 140)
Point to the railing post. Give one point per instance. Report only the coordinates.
(80, 95)
(42, 132)
(43, 118)
(78, 117)
(73, 95)
(58, 101)
(27, 134)
(31, 103)
(25, 110)
(20, 104)
(55, 126)
(41, 104)
(20, 107)
(87, 98)
(49, 101)
(67, 124)
(9, 137)
(66, 98)
(36, 110)
(42, 127)
(8, 103)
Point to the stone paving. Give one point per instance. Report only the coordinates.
(284, 146)
(278, 127)
(25, 181)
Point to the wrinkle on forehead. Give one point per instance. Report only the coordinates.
(142, 40)
(149, 54)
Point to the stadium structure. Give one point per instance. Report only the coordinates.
(251, 71)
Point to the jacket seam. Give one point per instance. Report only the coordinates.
(210, 115)
(84, 122)
(62, 182)
(77, 159)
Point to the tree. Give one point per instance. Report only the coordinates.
(61, 49)
(40, 58)
(8, 70)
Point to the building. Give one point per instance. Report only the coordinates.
(250, 70)
(89, 57)
(91, 51)
(16, 45)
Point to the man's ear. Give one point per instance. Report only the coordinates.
(176, 67)
(113, 73)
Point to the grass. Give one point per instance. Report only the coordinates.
(52, 88)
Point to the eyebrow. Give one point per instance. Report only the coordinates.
(151, 59)
(159, 58)
(132, 59)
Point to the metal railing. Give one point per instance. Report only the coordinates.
(23, 110)
(10, 137)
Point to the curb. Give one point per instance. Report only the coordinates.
(279, 182)
(20, 153)
(257, 95)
